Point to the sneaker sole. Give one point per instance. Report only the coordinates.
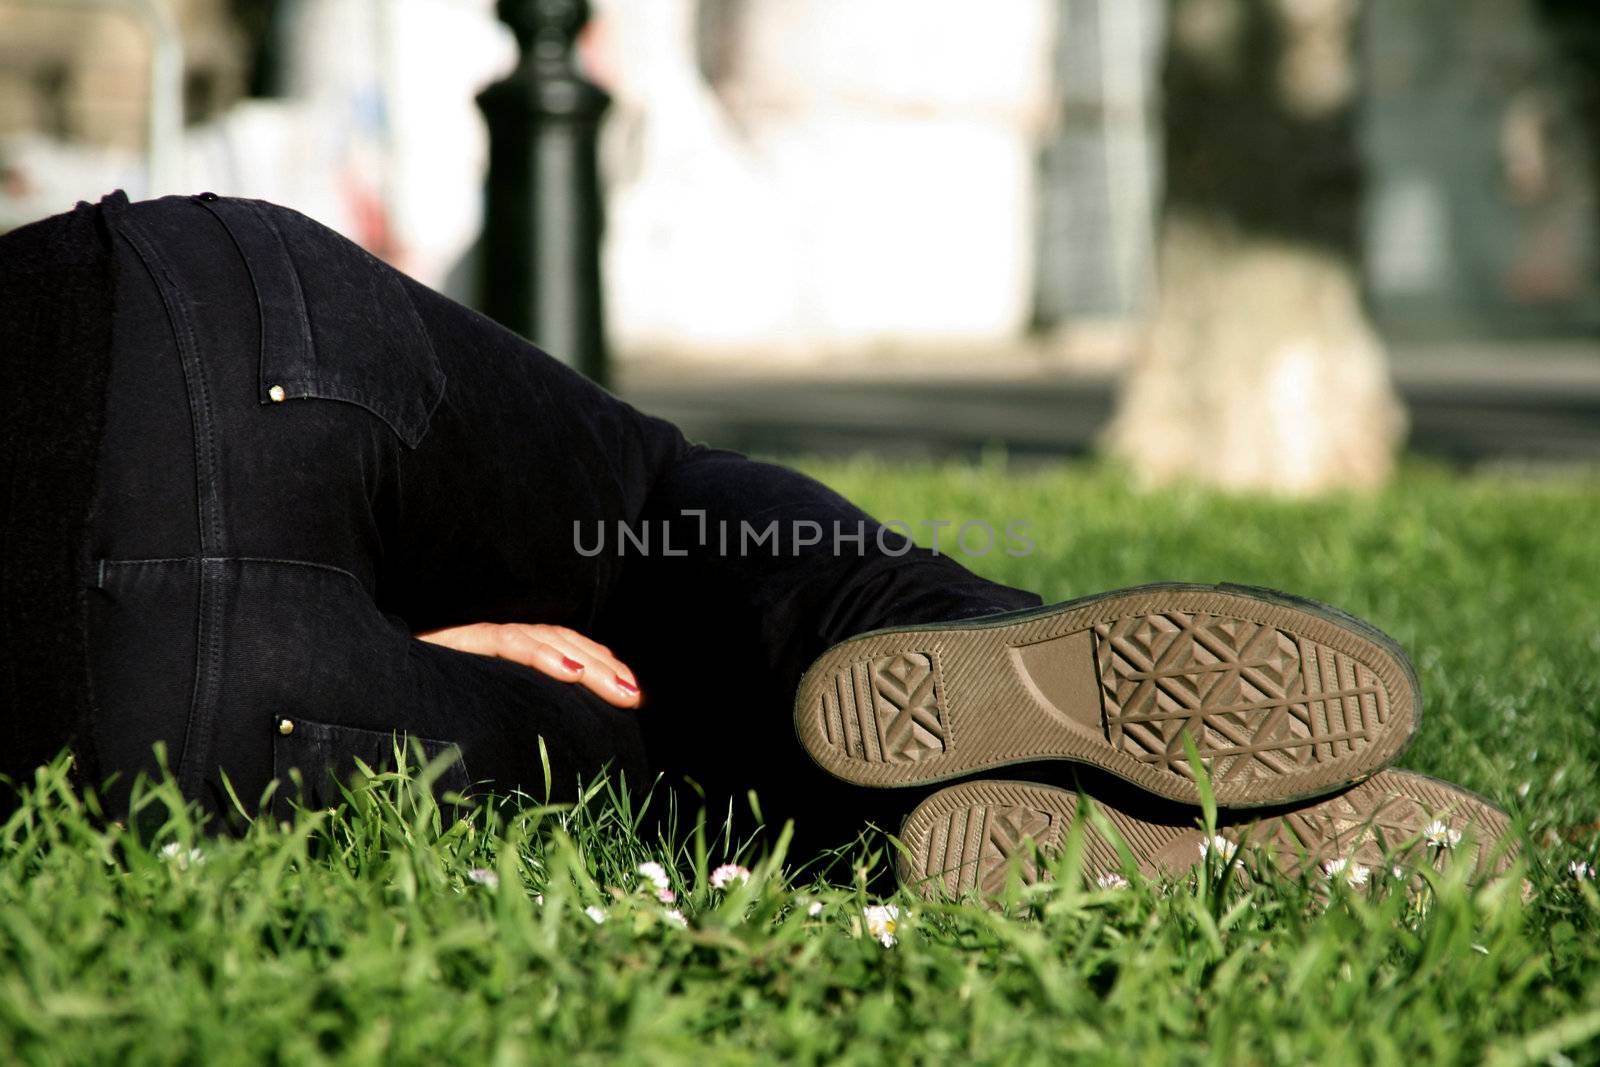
(970, 837)
(1285, 698)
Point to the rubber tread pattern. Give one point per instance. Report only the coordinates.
(1285, 699)
(968, 838)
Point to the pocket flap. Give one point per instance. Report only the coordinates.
(336, 322)
(326, 755)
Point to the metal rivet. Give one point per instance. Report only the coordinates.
(208, 196)
(276, 393)
(286, 727)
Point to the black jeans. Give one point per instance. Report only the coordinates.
(308, 457)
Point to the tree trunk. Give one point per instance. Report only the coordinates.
(1262, 370)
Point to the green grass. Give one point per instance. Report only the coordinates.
(361, 937)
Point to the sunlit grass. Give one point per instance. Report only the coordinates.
(395, 930)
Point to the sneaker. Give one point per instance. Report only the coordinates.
(1284, 698)
(965, 837)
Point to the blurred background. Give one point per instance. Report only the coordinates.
(1264, 244)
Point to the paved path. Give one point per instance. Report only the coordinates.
(1467, 405)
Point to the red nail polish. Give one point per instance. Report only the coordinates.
(626, 686)
(571, 664)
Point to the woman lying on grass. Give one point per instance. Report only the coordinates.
(272, 502)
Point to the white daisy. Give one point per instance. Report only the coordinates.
(666, 896)
(1224, 848)
(727, 874)
(1437, 833)
(181, 857)
(675, 917)
(484, 876)
(1111, 881)
(882, 919)
(1353, 873)
(595, 913)
(814, 908)
(655, 874)
(1580, 870)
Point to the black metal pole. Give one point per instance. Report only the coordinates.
(543, 211)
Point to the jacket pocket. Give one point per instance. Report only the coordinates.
(336, 323)
(326, 755)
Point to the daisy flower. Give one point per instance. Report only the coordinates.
(1224, 848)
(727, 874)
(882, 919)
(1580, 870)
(1353, 873)
(1437, 833)
(814, 908)
(675, 917)
(181, 857)
(484, 876)
(595, 913)
(656, 875)
(1111, 880)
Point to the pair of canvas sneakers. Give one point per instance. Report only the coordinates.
(1292, 707)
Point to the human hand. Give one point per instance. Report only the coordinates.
(554, 650)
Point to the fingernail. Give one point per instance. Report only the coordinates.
(571, 664)
(626, 686)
